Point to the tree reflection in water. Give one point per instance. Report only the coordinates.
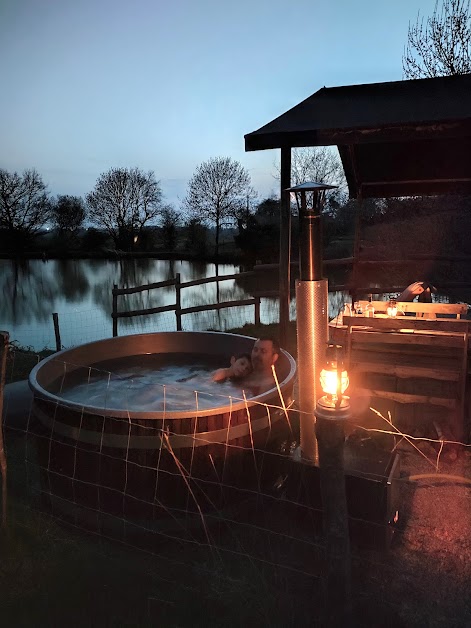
(72, 281)
(81, 292)
(28, 291)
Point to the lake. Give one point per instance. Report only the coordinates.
(79, 291)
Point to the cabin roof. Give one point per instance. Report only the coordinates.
(401, 138)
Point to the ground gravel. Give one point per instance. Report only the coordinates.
(425, 577)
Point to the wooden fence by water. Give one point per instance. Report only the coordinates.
(176, 307)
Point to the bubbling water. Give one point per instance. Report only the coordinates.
(153, 382)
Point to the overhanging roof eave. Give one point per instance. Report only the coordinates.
(259, 140)
(283, 140)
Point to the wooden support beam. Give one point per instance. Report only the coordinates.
(285, 243)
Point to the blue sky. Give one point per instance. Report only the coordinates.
(164, 85)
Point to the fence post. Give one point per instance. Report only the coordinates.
(57, 332)
(4, 343)
(178, 301)
(257, 310)
(114, 314)
(330, 432)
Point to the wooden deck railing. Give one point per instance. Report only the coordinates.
(176, 307)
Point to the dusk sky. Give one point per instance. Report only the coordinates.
(164, 85)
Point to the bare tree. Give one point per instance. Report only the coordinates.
(68, 214)
(320, 164)
(247, 207)
(170, 222)
(196, 236)
(24, 204)
(268, 210)
(440, 46)
(123, 202)
(217, 192)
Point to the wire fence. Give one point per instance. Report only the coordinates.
(88, 325)
(215, 520)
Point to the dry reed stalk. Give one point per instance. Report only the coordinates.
(399, 433)
(281, 397)
(184, 475)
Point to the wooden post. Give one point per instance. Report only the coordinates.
(178, 301)
(356, 247)
(330, 438)
(4, 342)
(285, 243)
(217, 283)
(115, 311)
(57, 332)
(257, 310)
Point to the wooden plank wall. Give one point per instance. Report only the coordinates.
(417, 376)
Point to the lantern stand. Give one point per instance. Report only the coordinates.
(332, 410)
(312, 309)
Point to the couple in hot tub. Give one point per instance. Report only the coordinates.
(254, 369)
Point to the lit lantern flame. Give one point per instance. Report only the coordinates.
(334, 382)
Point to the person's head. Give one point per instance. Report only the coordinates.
(265, 353)
(241, 365)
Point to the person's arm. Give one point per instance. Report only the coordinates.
(411, 291)
(220, 375)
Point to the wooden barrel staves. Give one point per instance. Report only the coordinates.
(146, 468)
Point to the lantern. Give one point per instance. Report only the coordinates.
(334, 382)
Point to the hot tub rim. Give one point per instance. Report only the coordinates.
(263, 399)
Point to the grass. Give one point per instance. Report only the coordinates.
(54, 576)
(20, 361)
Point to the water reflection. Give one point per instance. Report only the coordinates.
(28, 291)
(80, 291)
(72, 281)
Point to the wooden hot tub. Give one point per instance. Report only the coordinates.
(146, 464)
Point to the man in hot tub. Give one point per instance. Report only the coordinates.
(264, 354)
